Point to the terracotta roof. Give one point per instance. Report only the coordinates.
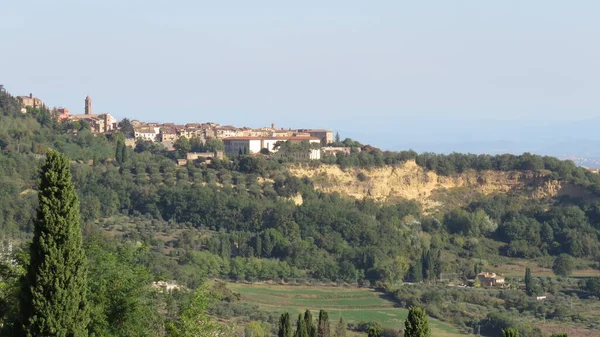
(313, 130)
(168, 130)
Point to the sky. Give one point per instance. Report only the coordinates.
(389, 72)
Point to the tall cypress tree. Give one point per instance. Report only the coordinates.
(285, 326)
(300, 327)
(323, 329)
(258, 246)
(416, 324)
(119, 151)
(340, 328)
(311, 330)
(416, 271)
(528, 282)
(54, 299)
(124, 153)
(428, 266)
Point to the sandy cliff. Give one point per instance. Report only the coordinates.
(410, 181)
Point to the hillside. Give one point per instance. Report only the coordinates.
(411, 181)
(259, 218)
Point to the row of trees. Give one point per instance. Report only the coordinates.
(416, 325)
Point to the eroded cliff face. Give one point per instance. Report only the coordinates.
(410, 181)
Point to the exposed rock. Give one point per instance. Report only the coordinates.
(411, 181)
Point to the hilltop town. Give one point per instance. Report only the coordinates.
(235, 140)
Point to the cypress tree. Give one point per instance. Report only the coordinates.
(528, 282)
(119, 152)
(416, 271)
(124, 153)
(428, 266)
(416, 324)
(323, 329)
(311, 330)
(300, 327)
(259, 248)
(511, 333)
(54, 299)
(340, 328)
(285, 326)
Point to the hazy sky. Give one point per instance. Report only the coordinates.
(356, 66)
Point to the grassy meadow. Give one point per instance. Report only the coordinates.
(355, 305)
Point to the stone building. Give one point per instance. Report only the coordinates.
(61, 113)
(326, 136)
(490, 279)
(168, 134)
(30, 101)
(101, 123)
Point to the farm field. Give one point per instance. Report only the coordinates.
(355, 305)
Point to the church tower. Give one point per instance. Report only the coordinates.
(88, 105)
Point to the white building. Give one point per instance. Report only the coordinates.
(226, 131)
(250, 145)
(146, 133)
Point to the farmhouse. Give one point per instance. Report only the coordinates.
(490, 279)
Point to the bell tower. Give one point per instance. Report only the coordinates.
(88, 105)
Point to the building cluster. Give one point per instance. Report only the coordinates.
(99, 123)
(237, 140)
(242, 140)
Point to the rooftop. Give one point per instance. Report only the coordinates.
(272, 138)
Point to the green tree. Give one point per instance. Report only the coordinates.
(121, 301)
(323, 328)
(416, 324)
(511, 333)
(119, 152)
(592, 285)
(563, 265)
(310, 326)
(285, 326)
(193, 319)
(124, 153)
(183, 146)
(340, 328)
(528, 282)
(563, 334)
(301, 330)
(126, 128)
(214, 144)
(416, 271)
(255, 329)
(55, 290)
(374, 331)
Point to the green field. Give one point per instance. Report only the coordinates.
(355, 305)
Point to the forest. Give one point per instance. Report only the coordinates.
(146, 219)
